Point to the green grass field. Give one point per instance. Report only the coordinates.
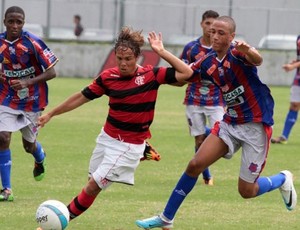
(70, 138)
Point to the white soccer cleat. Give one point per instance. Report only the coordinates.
(288, 191)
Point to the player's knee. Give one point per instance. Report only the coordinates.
(247, 193)
(4, 140)
(194, 168)
(29, 147)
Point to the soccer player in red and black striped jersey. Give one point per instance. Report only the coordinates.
(132, 92)
(27, 64)
(247, 125)
(292, 114)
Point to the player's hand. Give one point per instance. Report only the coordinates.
(42, 120)
(18, 84)
(288, 67)
(242, 46)
(155, 41)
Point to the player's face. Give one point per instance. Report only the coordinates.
(14, 23)
(221, 36)
(206, 26)
(126, 61)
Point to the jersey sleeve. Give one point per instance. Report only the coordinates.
(94, 90)
(44, 55)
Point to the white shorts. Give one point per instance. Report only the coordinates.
(254, 140)
(295, 93)
(12, 120)
(114, 161)
(198, 116)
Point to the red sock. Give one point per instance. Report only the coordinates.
(80, 203)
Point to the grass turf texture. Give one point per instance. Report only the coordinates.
(70, 138)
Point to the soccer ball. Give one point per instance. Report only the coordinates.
(52, 215)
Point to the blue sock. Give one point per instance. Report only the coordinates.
(206, 173)
(39, 154)
(290, 120)
(267, 184)
(182, 189)
(5, 168)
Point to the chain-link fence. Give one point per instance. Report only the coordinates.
(177, 19)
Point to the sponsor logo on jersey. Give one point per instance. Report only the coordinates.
(19, 73)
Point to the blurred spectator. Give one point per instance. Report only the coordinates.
(78, 27)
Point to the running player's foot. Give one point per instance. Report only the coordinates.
(39, 170)
(150, 153)
(288, 191)
(154, 222)
(279, 140)
(6, 195)
(209, 181)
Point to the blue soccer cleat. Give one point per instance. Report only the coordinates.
(154, 222)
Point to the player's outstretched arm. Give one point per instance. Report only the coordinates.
(252, 55)
(71, 103)
(183, 71)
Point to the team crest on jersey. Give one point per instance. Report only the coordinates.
(140, 80)
(12, 50)
(221, 71)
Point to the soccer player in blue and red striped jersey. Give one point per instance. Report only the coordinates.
(132, 90)
(292, 115)
(203, 99)
(27, 64)
(247, 125)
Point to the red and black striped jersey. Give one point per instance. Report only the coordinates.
(131, 100)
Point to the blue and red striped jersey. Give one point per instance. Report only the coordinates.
(131, 100)
(296, 80)
(203, 93)
(26, 57)
(246, 97)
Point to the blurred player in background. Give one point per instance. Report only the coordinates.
(78, 29)
(132, 91)
(27, 64)
(203, 99)
(247, 124)
(292, 115)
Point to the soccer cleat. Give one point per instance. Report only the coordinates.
(154, 222)
(150, 153)
(209, 181)
(279, 140)
(6, 195)
(288, 191)
(39, 170)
